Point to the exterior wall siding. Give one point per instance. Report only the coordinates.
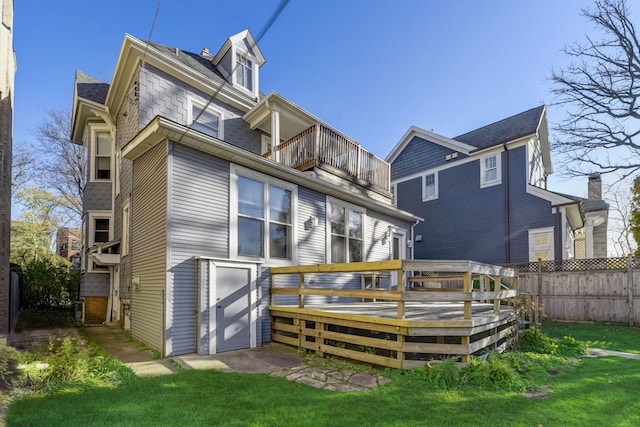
(149, 247)
(97, 196)
(419, 155)
(162, 94)
(128, 125)
(469, 222)
(199, 209)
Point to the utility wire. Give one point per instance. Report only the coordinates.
(153, 25)
(272, 19)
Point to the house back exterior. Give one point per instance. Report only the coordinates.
(484, 195)
(198, 183)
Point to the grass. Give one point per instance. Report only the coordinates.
(594, 393)
(606, 336)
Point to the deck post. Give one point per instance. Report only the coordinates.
(497, 287)
(465, 342)
(273, 296)
(466, 287)
(300, 287)
(319, 339)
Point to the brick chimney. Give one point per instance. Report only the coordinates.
(595, 186)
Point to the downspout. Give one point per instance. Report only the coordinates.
(413, 240)
(507, 207)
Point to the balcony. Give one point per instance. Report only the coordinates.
(322, 147)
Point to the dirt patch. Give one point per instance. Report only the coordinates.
(542, 393)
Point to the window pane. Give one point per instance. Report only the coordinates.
(355, 225)
(279, 205)
(355, 250)
(208, 122)
(337, 220)
(101, 237)
(542, 255)
(541, 239)
(490, 162)
(491, 175)
(103, 144)
(280, 241)
(338, 249)
(250, 237)
(102, 224)
(250, 197)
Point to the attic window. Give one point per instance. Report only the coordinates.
(244, 72)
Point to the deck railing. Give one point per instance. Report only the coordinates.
(326, 148)
(390, 330)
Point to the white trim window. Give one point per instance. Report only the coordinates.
(537, 173)
(430, 186)
(100, 231)
(345, 232)
(490, 170)
(126, 219)
(244, 71)
(207, 120)
(262, 217)
(101, 146)
(541, 244)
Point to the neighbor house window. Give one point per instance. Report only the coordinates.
(206, 120)
(490, 171)
(537, 173)
(102, 156)
(264, 211)
(541, 244)
(430, 186)
(244, 72)
(346, 231)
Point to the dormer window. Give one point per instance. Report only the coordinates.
(244, 72)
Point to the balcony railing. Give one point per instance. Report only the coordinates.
(320, 146)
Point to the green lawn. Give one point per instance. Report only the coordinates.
(610, 337)
(595, 393)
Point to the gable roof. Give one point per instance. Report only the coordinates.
(90, 88)
(192, 60)
(415, 131)
(505, 130)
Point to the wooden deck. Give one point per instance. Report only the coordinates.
(404, 328)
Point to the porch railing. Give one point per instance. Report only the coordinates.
(320, 146)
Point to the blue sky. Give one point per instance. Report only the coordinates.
(369, 68)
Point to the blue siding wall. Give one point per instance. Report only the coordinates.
(469, 222)
(419, 155)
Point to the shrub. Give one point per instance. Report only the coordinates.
(535, 341)
(9, 361)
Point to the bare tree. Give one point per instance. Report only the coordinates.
(620, 212)
(600, 90)
(63, 164)
(23, 166)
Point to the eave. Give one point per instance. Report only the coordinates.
(161, 129)
(428, 136)
(83, 110)
(134, 50)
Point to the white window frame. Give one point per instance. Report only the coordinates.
(237, 52)
(550, 247)
(483, 182)
(535, 164)
(426, 197)
(349, 207)
(126, 224)
(93, 147)
(265, 144)
(92, 216)
(210, 109)
(266, 180)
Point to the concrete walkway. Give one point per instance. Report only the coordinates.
(274, 359)
(593, 353)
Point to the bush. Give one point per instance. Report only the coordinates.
(46, 282)
(496, 373)
(535, 341)
(9, 361)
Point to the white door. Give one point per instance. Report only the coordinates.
(398, 251)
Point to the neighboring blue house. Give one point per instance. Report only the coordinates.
(198, 183)
(484, 194)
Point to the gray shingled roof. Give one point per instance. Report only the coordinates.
(509, 129)
(91, 88)
(192, 60)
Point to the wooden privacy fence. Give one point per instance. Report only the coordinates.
(601, 289)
